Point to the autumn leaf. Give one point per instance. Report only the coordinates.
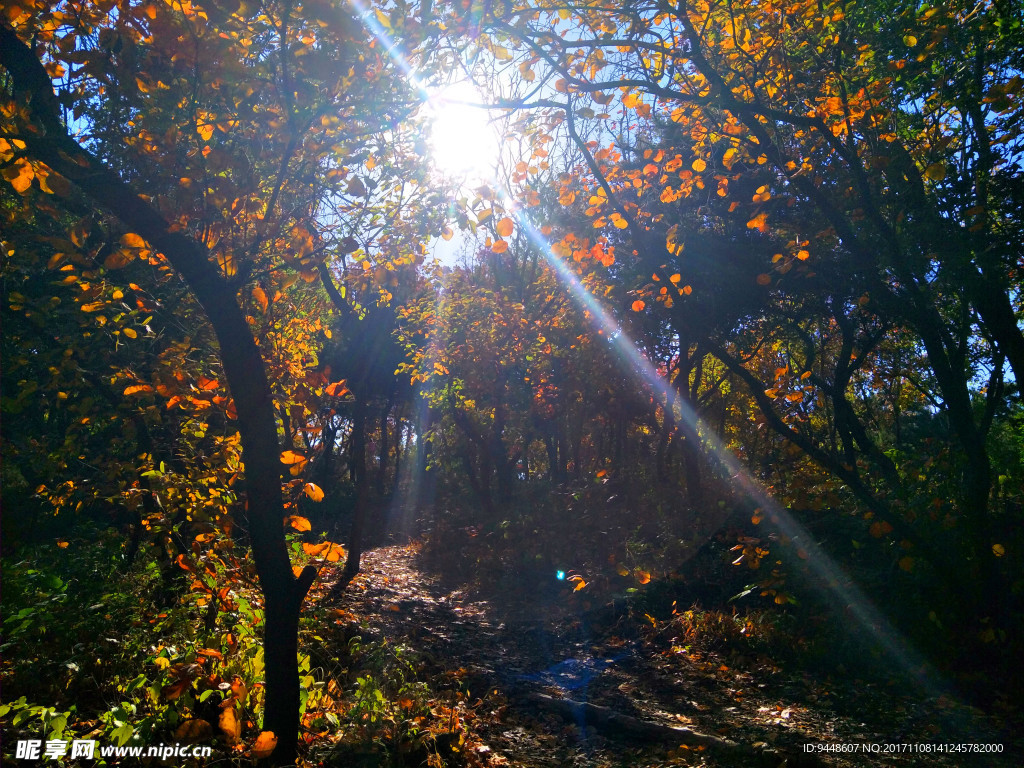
(315, 550)
(879, 529)
(759, 222)
(298, 523)
(505, 227)
(264, 745)
(193, 730)
(261, 298)
(20, 174)
(500, 246)
(131, 240)
(292, 457)
(337, 389)
(313, 491)
(230, 725)
(698, 165)
(638, 305)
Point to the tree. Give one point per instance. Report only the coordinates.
(218, 139)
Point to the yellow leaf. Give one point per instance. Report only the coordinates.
(998, 550)
(504, 227)
(935, 172)
(130, 333)
(909, 40)
(205, 131)
(698, 165)
(314, 492)
(298, 523)
(264, 745)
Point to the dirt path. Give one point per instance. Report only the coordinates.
(535, 643)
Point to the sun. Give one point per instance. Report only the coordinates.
(464, 142)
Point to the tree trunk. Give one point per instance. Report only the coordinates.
(243, 369)
(355, 538)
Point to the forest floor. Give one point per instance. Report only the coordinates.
(514, 654)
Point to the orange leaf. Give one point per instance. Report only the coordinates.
(500, 246)
(174, 690)
(291, 457)
(131, 240)
(230, 725)
(580, 585)
(264, 745)
(504, 227)
(134, 389)
(764, 279)
(880, 529)
(261, 298)
(298, 523)
(314, 492)
(644, 577)
(337, 552)
(193, 730)
(337, 389)
(315, 550)
(638, 305)
(20, 174)
(698, 165)
(759, 222)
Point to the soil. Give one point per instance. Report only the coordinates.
(514, 651)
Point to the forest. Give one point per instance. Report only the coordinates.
(481, 383)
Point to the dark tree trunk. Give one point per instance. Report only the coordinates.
(355, 538)
(243, 369)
